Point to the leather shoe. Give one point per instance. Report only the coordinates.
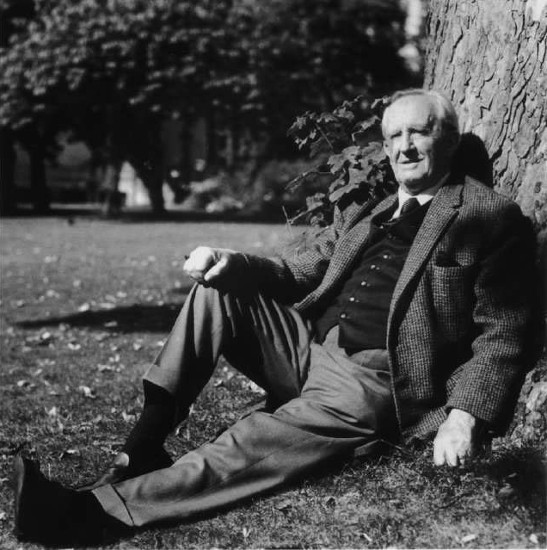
(44, 510)
(54, 515)
(123, 468)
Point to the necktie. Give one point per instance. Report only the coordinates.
(409, 205)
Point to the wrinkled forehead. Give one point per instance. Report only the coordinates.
(413, 110)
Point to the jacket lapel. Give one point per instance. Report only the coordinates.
(355, 240)
(440, 215)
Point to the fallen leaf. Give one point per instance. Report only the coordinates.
(284, 504)
(128, 417)
(2, 516)
(87, 392)
(366, 537)
(45, 338)
(533, 538)
(102, 368)
(69, 453)
(468, 538)
(84, 307)
(506, 491)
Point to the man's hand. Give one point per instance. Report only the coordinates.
(455, 441)
(209, 266)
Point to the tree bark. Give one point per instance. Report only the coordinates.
(489, 58)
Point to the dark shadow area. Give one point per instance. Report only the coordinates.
(145, 215)
(56, 211)
(135, 318)
(525, 470)
(472, 159)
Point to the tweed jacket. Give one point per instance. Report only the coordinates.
(461, 316)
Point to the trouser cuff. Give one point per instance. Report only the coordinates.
(113, 504)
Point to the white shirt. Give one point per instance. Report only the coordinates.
(424, 197)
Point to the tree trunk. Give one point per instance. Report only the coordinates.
(489, 57)
(187, 162)
(151, 175)
(111, 198)
(212, 149)
(38, 180)
(8, 157)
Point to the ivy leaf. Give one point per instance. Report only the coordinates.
(349, 156)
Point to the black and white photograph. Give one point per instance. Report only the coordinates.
(273, 274)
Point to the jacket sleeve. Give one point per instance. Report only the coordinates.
(507, 322)
(290, 278)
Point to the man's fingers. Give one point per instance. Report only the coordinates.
(438, 453)
(450, 453)
(216, 270)
(199, 262)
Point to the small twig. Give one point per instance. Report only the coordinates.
(304, 176)
(455, 499)
(325, 137)
(288, 221)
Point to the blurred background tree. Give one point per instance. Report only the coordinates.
(110, 73)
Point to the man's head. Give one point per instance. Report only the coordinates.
(421, 134)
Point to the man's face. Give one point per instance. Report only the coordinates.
(413, 141)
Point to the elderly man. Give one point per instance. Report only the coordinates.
(410, 322)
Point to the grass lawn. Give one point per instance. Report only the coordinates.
(85, 306)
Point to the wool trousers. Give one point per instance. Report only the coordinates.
(324, 405)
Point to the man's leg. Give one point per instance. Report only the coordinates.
(251, 330)
(344, 404)
(267, 341)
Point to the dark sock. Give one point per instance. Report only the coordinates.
(87, 507)
(87, 518)
(153, 426)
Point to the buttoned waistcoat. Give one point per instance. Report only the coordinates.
(462, 328)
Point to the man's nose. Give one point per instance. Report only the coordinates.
(406, 142)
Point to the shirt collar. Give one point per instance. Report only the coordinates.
(424, 197)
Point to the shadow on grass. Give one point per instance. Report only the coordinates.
(135, 318)
(145, 215)
(525, 471)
